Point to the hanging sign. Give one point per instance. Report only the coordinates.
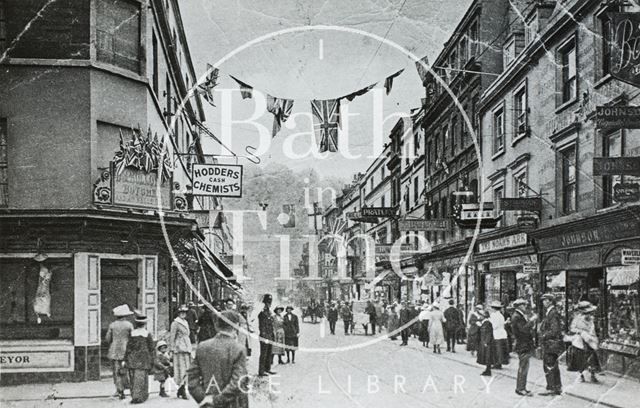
(618, 117)
(630, 257)
(527, 223)
(467, 215)
(533, 204)
(612, 166)
(357, 216)
(626, 192)
(220, 180)
(424, 225)
(387, 212)
(624, 58)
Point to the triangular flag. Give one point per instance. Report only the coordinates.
(361, 92)
(388, 83)
(245, 90)
(327, 115)
(281, 109)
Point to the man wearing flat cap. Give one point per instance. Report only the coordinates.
(552, 344)
(523, 331)
(265, 324)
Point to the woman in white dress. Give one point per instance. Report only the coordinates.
(500, 343)
(436, 332)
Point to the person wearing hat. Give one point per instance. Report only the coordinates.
(473, 329)
(423, 319)
(405, 321)
(452, 324)
(436, 330)
(265, 324)
(206, 324)
(500, 344)
(218, 374)
(140, 357)
(277, 349)
(584, 341)
(180, 346)
(332, 317)
(347, 317)
(163, 369)
(117, 337)
(523, 329)
(291, 334)
(485, 343)
(552, 345)
(193, 315)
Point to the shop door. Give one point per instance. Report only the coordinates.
(508, 287)
(584, 285)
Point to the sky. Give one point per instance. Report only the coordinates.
(314, 64)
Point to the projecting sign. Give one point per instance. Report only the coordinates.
(624, 58)
(424, 225)
(626, 192)
(533, 204)
(220, 180)
(387, 212)
(631, 257)
(612, 166)
(618, 117)
(467, 215)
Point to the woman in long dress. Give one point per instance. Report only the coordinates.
(584, 341)
(423, 319)
(392, 322)
(485, 343)
(500, 342)
(436, 332)
(180, 346)
(139, 357)
(278, 330)
(473, 329)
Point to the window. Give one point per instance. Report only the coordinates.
(606, 40)
(453, 61)
(531, 29)
(473, 38)
(612, 146)
(498, 193)
(429, 157)
(446, 140)
(569, 72)
(416, 192)
(498, 131)
(509, 52)
(520, 184)
(168, 95)
(454, 136)
(464, 49)
(520, 112)
(382, 201)
(3, 27)
(154, 74)
(118, 34)
(568, 156)
(382, 173)
(4, 162)
(371, 183)
(406, 198)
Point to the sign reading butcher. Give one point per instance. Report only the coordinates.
(220, 180)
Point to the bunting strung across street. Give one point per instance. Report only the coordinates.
(327, 117)
(210, 82)
(388, 83)
(361, 92)
(245, 90)
(281, 109)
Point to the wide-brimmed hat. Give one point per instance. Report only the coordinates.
(278, 308)
(496, 304)
(548, 296)
(183, 308)
(122, 310)
(161, 343)
(519, 302)
(586, 307)
(479, 306)
(140, 317)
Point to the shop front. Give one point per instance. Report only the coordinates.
(593, 259)
(507, 267)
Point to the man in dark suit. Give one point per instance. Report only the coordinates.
(371, 311)
(405, 318)
(523, 328)
(218, 374)
(552, 345)
(291, 333)
(332, 316)
(451, 325)
(265, 324)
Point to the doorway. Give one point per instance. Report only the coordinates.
(119, 284)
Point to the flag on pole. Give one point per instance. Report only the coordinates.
(388, 83)
(245, 90)
(281, 109)
(206, 88)
(327, 115)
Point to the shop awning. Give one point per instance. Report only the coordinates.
(212, 264)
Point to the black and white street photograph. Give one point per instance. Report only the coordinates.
(320, 203)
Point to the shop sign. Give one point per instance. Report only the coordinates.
(626, 192)
(386, 212)
(385, 249)
(510, 241)
(529, 268)
(424, 225)
(467, 215)
(527, 223)
(219, 180)
(596, 235)
(624, 58)
(36, 360)
(631, 257)
(618, 117)
(533, 204)
(137, 188)
(612, 166)
(357, 216)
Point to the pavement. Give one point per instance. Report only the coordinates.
(345, 371)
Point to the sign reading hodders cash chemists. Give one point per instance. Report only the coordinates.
(220, 180)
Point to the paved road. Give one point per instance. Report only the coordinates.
(378, 375)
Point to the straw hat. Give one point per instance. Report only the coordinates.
(479, 306)
(140, 317)
(183, 308)
(548, 296)
(586, 307)
(161, 343)
(496, 304)
(519, 302)
(122, 311)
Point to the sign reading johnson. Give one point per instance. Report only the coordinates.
(625, 48)
(137, 188)
(220, 180)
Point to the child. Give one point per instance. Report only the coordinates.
(163, 366)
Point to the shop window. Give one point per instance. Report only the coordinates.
(568, 72)
(612, 146)
(569, 192)
(555, 283)
(498, 131)
(520, 112)
(623, 305)
(25, 292)
(118, 34)
(4, 163)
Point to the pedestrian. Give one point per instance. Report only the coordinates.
(265, 323)
(180, 346)
(584, 341)
(461, 334)
(218, 376)
(347, 318)
(423, 318)
(291, 334)
(163, 369)
(140, 357)
(278, 330)
(436, 331)
(384, 317)
(192, 319)
(244, 329)
(230, 304)
(451, 326)
(371, 311)
(206, 324)
(473, 329)
(405, 323)
(485, 343)
(552, 345)
(523, 329)
(500, 348)
(118, 336)
(393, 322)
(332, 316)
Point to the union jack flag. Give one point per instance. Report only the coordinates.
(327, 115)
(336, 231)
(206, 88)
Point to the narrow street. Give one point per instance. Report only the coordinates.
(379, 375)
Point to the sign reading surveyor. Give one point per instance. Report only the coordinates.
(220, 180)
